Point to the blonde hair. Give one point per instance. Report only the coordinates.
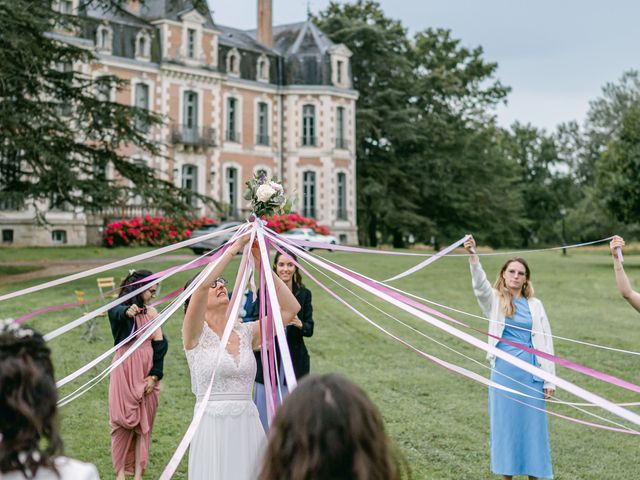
(504, 294)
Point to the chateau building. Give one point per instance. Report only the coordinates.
(277, 99)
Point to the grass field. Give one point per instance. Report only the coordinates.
(437, 419)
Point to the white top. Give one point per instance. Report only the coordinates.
(68, 468)
(489, 301)
(235, 375)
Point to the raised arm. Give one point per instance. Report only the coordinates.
(622, 281)
(194, 317)
(481, 286)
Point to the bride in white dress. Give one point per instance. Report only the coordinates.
(229, 441)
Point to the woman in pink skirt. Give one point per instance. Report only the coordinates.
(134, 389)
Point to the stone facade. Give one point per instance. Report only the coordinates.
(234, 106)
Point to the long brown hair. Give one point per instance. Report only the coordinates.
(28, 403)
(506, 299)
(328, 429)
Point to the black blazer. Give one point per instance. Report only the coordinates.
(121, 327)
(295, 336)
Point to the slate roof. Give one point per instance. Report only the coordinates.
(241, 39)
(172, 10)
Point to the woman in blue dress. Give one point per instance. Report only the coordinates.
(519, 435)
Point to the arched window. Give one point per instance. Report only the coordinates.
(233, 62)
(143, 45)
(262, 69)
(103, 38)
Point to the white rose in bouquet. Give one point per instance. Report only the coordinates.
(265, 192)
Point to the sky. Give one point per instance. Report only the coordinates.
(556, 55)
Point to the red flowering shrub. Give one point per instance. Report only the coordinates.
(289, 221)
(152, 231)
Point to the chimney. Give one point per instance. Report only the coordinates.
(264, 35)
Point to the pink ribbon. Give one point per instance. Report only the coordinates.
(451, 367)
(576, 390)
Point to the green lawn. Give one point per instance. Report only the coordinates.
(438, 419)
(17, 269)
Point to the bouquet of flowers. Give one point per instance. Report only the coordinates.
(266, 196)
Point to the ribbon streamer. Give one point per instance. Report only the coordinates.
(429, 261)
(119, 263)
(570, 387)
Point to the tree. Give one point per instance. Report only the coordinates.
(382, 74)
(424, 125)
(618, 170)
(59, 137)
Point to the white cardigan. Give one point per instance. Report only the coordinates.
(490, 303)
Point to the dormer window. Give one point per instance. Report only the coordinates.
(191, 43)
(66, 6)
(233, 62)
(262, 69)
(103, 39)
(143, 45)
(339, 67)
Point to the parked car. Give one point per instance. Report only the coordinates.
(310, 235)
(212, 243)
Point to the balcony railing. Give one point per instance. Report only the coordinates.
(308, 141)
(342, 143)
(198, 136)
(262, 139)
(232, 136)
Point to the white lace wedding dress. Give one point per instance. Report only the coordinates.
(229, 442)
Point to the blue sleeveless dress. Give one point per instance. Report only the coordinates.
(519, 434)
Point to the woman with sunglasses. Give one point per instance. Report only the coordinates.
(519, 436)
(134, 386)
(229, 440)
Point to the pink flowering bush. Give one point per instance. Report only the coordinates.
(152, 231)
(284, 223)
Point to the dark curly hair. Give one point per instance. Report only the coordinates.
(127, 286)
(28, 404)
(328, 429)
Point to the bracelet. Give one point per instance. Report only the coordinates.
(154, 378)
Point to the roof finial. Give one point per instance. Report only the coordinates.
(308, 9)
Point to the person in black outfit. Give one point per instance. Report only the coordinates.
(300, 327)
(134, 389)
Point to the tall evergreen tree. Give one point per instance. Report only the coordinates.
(61, 139)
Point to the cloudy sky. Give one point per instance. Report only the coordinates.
(555, 54)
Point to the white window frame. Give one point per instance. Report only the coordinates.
(344, 172)
(145, 52)
(264, 75)
(100, 33)
(239, 115)
(256, 123)
(306, 169)
(235, 54)
(225, 184)
(316, 123)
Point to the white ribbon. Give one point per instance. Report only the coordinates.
(119, 263)
(430, 260)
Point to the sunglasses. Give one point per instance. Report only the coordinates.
(218, 280)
